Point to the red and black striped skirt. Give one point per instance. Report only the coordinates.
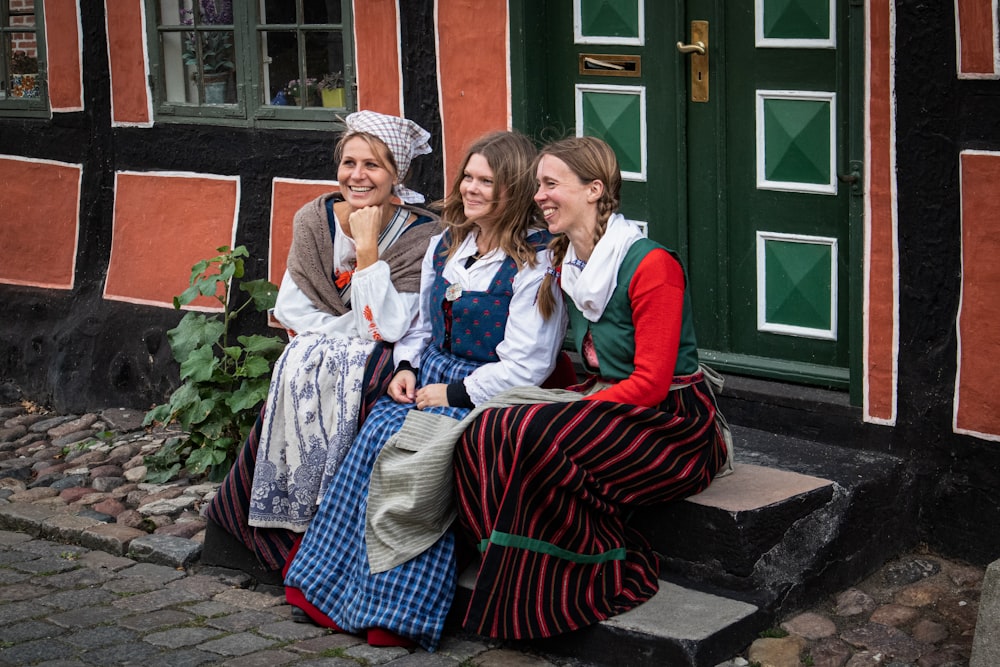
(545, 492)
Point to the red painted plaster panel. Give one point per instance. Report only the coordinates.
(163, 225)
(62, 39)
(880, 299)
(39, 233)
(976, 28)
(375, 34)
(127, 55)
(287, 197)
(472, 51)
(977, 400)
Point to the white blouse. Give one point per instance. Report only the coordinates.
(378, 311)
(527, 354)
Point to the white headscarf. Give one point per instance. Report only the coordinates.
(590, 284)
(404, 138)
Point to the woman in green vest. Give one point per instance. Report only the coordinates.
(545, 490)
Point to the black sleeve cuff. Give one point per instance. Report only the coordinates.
(407, 366)
(458, 397)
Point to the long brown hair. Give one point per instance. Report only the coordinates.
(591, 159)
(510, 156)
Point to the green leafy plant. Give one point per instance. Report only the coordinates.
(216, 47)
(331, 81)
(222, 384)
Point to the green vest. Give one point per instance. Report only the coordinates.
(614, 333)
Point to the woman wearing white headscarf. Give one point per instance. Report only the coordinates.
(351, 290)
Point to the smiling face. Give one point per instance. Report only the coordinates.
(567, 204)
(477, 188)
(365, 179)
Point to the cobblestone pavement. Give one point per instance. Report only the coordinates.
(99, 568)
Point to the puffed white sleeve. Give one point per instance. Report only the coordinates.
(296, 311)
(415, 340)
(378, 310)
(531, 343)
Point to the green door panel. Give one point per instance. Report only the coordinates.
(747, 186)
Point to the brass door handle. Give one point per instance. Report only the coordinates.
(698, 50)
(697, 47)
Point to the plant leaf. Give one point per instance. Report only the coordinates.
(195, 330)
(249, 395)
(200, 364)
(267, 346)
(263, 293)
(255, 367)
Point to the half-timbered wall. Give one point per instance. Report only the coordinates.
(104, 209)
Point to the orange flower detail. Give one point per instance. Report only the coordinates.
(366, 312)
(343, 278)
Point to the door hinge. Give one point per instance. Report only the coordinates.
(854, 177)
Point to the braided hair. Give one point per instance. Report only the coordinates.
(591, 159)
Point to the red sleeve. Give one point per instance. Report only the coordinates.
(656, 294)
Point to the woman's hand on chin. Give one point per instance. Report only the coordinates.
(366, 225)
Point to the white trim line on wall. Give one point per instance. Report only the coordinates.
(171, 174)
(995, 74)
(145, 66)
(79, 72)
(956, 396)
(894, 372)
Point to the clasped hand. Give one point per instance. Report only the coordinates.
(403, 389)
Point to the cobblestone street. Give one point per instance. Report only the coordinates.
(100, 568)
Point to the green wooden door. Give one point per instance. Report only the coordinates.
(751, 183)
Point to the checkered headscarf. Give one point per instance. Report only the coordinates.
(404, 138)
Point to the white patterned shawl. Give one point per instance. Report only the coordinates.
(309, 424)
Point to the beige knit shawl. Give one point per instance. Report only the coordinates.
(310, 259)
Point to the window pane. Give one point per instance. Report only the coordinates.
(198, 65)
(325, 63)
(280, 58)
(278, 12)
(324, 67)
(212, 12)
(326, 11)
(22, 14)
(20, 54)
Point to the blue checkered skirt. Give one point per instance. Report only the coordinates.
(331, 567)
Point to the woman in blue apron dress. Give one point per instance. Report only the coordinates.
(479, 332)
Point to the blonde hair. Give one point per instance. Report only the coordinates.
(383, 155)
(510, 156)
(590, 159)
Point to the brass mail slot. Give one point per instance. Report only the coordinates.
(610, 65)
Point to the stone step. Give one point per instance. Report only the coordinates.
(679, 626)
(798, 520)
(737, 518)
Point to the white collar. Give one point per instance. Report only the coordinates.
(591, 285)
